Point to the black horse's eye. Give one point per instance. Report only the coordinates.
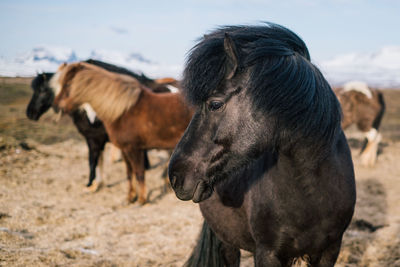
(215, 105)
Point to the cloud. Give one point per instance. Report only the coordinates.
(119, 30)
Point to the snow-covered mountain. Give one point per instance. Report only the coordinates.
(380, 68)
(46, 58)
(50, 54)
(138, 63)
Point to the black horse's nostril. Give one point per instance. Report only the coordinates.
(173, 179)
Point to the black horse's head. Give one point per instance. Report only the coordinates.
(254, 89)
(42, 97)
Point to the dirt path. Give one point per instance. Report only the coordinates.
(47, 219)
(378, 202)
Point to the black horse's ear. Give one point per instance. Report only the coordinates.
(231, 55)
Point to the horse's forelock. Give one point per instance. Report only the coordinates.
(206, 62)
(40, 79)
(37, 81)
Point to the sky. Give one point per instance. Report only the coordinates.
(164, 31)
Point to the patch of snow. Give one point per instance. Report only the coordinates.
(48, 58)
(377, 69)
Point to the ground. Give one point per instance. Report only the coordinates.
(46, 218)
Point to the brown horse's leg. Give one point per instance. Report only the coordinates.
(132, 196)
(167, 185)
(142, 188)
(114, 154)
(140, 178)
(138, 162)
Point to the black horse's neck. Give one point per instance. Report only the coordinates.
(233, 189)
(299, 162)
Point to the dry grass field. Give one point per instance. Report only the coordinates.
(46, 218)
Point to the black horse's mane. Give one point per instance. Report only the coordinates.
(40, 79)
(113, 68)
(281, 79)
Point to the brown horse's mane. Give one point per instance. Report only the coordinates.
(166, 80)
(110, 94)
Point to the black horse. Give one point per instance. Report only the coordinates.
(92, 129)
(264, 154)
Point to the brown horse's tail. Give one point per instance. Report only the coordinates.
(378, 119)
(208, 250)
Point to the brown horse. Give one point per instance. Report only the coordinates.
(135, 118)
(364, 107)
(162, 85)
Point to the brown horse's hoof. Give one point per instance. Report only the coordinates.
(132, 198)
(142, 201)
(94, 187)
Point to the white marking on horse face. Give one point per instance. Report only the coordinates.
(90, 113)
(172, 88)
(361, 87)
(54, 83)
(371, 135)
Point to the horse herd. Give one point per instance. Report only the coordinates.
(257, 135)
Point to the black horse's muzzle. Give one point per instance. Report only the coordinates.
(186, 183)
(33, 116)
(32, 113)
